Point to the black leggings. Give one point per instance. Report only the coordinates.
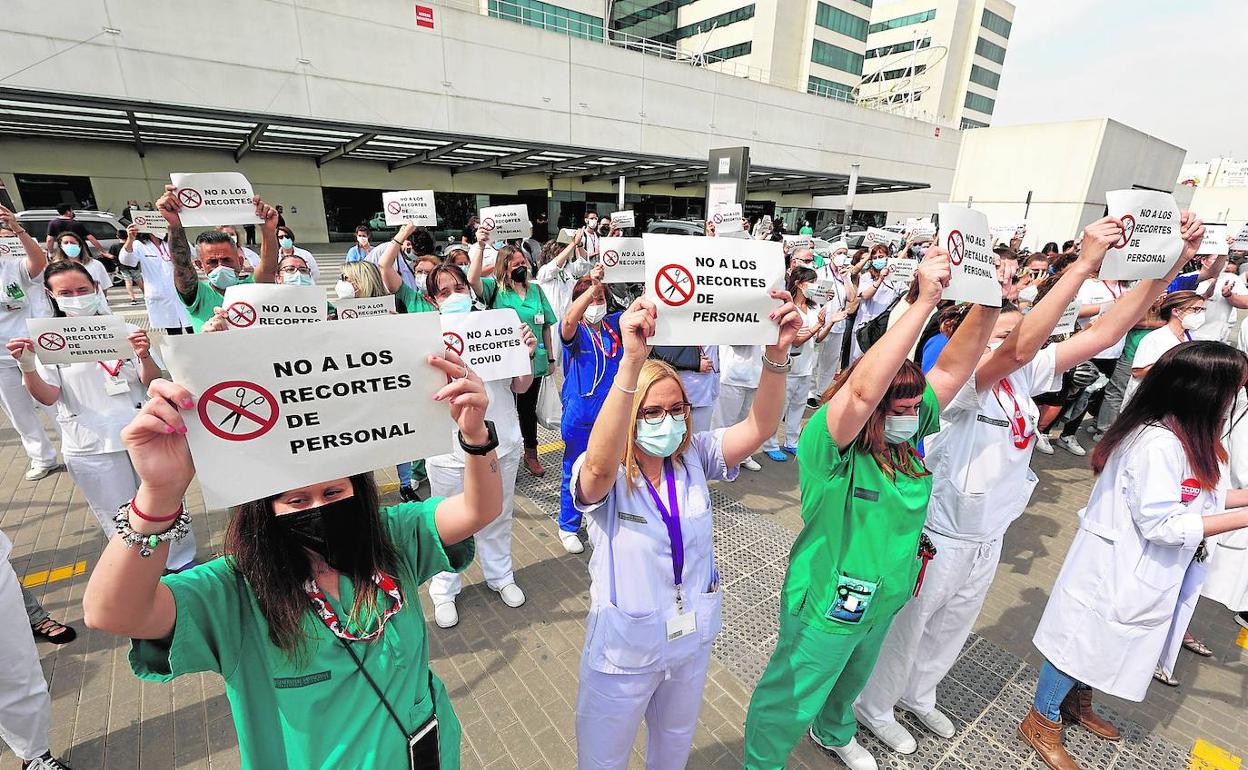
(1106, 367)
(526, 406)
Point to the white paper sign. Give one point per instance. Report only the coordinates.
(410, 206)
(1007, 232)
(794, 242)
(257, 305)
(1241, 239)
(901, 271)
(727, 218)
(150, 222)
(825, 290)
(217, 198)
(623, 260)
(11, 248)
(88, 338)
(489, 341)
(921, 228)
(887, 237)
(1214, 241)
(713, 291)
(365, 307)
(1066, 324)
(507, 222)
(281, 408)
(1151, 242)
(964, 234)
(624, 219)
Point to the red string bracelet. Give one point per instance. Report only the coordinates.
(158, 520)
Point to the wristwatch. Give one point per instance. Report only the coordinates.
(491, 441)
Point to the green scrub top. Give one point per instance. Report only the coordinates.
(859, 524)
(319, 712)
(206, 298)
(408, 300)
(534, 303)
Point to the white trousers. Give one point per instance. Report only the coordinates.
(796, 391)
(493, 542)
(611, 707)
(829, 363)
(733, 405)
(108, 481)
(23, 413)
(927, 635)
(25, 708)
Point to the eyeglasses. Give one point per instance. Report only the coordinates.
(293, 270)
(655, 414)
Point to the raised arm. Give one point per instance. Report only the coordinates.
(390, 275)
(185, 280)
(149, 372)
(854, 402)
(23, 349)
(1214, 269)
(36, 258)
(266, 268)
(476, 258)
(127, 256)
(744, 438)
(576, 311)
(956, 362)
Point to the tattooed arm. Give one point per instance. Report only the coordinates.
(185, 279)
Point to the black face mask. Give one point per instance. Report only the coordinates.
(334, 530)
(520, 274)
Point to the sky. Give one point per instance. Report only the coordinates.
(1171, 68)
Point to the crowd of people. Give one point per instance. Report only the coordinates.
(912, 420)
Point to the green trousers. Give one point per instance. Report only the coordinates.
(813, 677)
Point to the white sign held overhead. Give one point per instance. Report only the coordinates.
(1066, 324)
(87, 338)
(1241, 239)
(1007, 232)
(151, 222)
(794, 242)
(964, 234)
(901, 271)
(11, 248)
(1151, 242)
(365, 307)
(713, 291)
(727, 218)
(257, 305)
(1215, 242)
(623, 260)
(824, 290)
(624, 219)
(876, 236)
(216, 198)
(921, 228)
(489, 341)
(410, 207)
(507, 222)
(306, 406)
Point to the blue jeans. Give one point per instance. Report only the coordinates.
(1052, 689)
(406, 475)
(575, 432)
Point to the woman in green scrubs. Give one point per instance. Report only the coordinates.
(313, 580)
(856, 561)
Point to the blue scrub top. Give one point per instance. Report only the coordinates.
(588, 371)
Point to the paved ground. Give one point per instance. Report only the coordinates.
(512, 673)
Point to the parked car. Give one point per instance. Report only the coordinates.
(676, 227)
(104, 226)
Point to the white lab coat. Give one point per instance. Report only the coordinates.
(1121, 593)
(1227, 581)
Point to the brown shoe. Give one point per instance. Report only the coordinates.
(532, 463)
(1046, 738)
(1077, 707)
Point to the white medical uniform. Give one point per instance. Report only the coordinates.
(446, 478)
(869, 309)
(829, 351)
(981, 482)
(91, 421)
(1125, 592)
(629, 669)
(740, 369)
(1227, 580)
(99, 274)
(25, 707)
(1152, 347)
(1218, 309)
(702, 388)
(17, 303)
(797, 385)
(1092, 292)
(165, 308)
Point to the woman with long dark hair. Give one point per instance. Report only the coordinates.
(313, 615)
(1133, 574)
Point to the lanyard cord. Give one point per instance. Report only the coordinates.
(1018, 422)
(112, 372)
(597, 347)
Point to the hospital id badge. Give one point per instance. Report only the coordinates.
(681, 625)
(539, 319)
(853, 598)
(116, 385)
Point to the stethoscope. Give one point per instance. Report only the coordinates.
(596, 340)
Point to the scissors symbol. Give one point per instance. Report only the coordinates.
(237, 416)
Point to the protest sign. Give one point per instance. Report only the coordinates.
(217, 198)
(623, 260)
(825, 290)
(623, 219)
(713, 291)
(489, 341)
(901, 271)
(1007, 232)
(410, 206)
(255, 305)
(794, 242)
(1241, 239)
(87, 338)
(1151, 242)
(151, 222)
(1066, 324)
(365, 307)
(964, 234)
(921, 228)
(877, 236)
(727, 218)
(507, 222)
(1214, 242)
(11, 248)
(284, 407)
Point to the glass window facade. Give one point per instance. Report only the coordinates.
(968, 123)
(996, 23)
(990, 50)
(645, 18)
(834, 56)
(887, 50)
(730, 51)
(985, 77)
(979, 103)
(901, 72)
(864, 2)
(829, 88)
(904, 21)
(722, 20)
(837, 20)
(534, 13)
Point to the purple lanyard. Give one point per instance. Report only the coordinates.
(671, 517)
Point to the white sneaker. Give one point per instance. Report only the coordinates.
(854, 756)
(894, 736)
(1043, 445)
(571, 543)
(445, 615)
(750, 464)
(936, 722)
(511, 595)
(36, 472)
(1071, 444)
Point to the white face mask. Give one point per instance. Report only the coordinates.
(86, 304)
(344, 290)
(362, 240)
(595, 313)
(1193, 321)
(899, 428)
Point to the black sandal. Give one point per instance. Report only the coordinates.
(51, 631)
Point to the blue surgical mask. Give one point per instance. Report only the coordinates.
(459, 302)
(661, 440)
(222, 277)
(285, 243)
(899, 428)
(879, 264)
(72, 250)
(498, 245)
(296, 279)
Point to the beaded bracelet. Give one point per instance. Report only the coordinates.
(148, 543)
